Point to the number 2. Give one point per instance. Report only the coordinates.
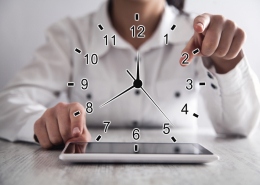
(184, 62)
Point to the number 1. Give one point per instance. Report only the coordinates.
(166, 39)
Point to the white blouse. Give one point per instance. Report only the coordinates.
(232, 99)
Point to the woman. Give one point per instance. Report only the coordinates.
(231, 91)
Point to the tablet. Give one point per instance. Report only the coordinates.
(123, 152)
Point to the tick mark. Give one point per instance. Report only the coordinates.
(77, 113)
(136, 148)
(195, 51)
(195, 115)
(202, 83)
(173, 139)
(78, 50)
(173, 27)
(137, 17)
(98, 137)
(100, 27)
(70, 84)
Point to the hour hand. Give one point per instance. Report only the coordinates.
(116, 96)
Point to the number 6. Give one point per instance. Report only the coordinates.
(136, 134)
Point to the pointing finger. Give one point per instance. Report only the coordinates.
(201, 23)
(77, 118)
(190, 51)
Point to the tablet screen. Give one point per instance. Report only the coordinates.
(136, 148)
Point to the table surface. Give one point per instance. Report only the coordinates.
(25, 163)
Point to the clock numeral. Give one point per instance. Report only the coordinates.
(166, 128)
(89, 107)
(113, 38)
(140, 34)
(133, 31)
(105, 37)
(84, 84)
(190, 84)
(184, 62)
(166, 39)
(136, 134)
(185, 109)
(107, 123)
(93, 59)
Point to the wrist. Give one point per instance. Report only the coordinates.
(223, 66)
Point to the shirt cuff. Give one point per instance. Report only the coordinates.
(232, 81)
(26, 133)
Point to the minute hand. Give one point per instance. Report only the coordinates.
(156, 105)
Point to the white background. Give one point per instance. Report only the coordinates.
(23, 22)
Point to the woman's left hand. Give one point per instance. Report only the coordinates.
(217, 38)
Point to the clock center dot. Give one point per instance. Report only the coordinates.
(138, 83)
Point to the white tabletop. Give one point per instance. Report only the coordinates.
(24, 163)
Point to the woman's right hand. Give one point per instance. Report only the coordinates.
(58, 125)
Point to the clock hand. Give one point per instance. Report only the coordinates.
(137, 71)
(156, 105)
(130, 74)
(116, 96)
(150, 98)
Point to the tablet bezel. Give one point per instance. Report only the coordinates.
(137, 158)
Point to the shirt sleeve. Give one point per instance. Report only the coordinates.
(25, 98)
(232, 99)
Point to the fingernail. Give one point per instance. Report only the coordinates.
(76, 131)
(201, 25)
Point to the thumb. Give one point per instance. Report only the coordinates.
(191, 49)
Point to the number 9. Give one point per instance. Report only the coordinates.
(84, 83)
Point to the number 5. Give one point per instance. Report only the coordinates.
(166, 128)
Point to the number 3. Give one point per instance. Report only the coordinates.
(190, 84)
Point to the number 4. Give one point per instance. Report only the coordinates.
(185, 109)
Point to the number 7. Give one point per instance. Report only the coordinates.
(107, 125)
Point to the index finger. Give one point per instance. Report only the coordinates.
(201, 23)
(77, 118)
